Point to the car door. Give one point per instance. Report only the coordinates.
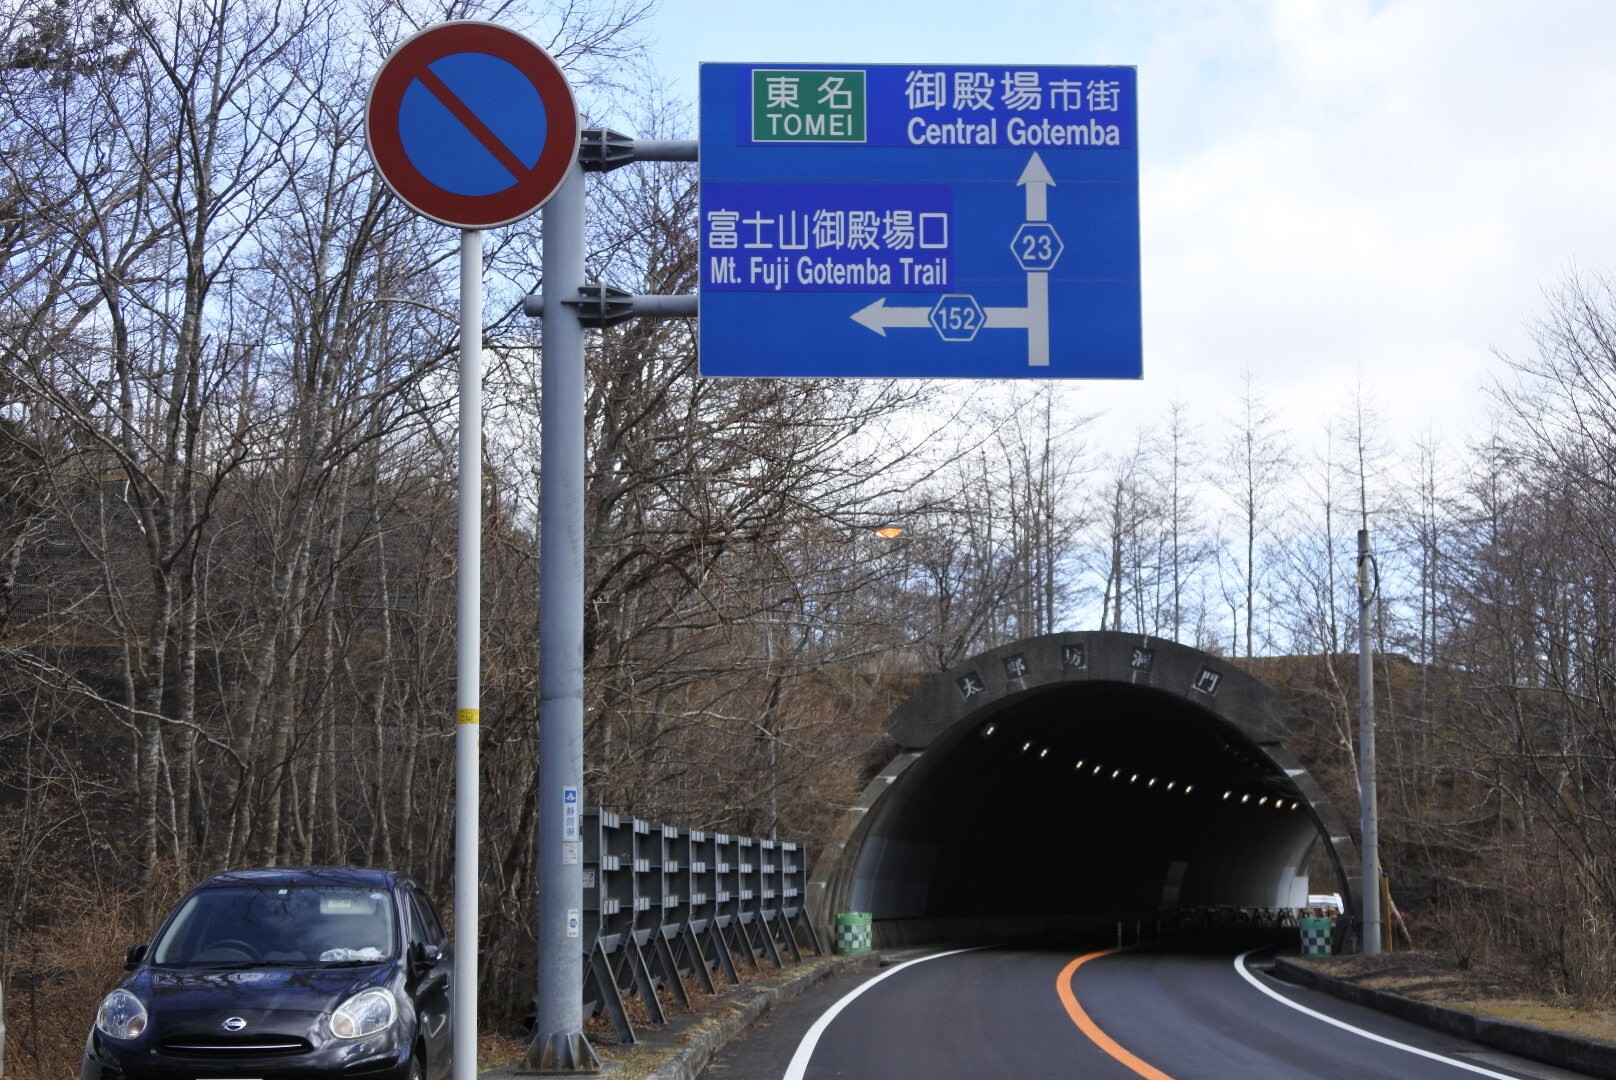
(430, 987)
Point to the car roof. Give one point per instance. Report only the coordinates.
(339, 876)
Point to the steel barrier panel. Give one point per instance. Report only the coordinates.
(647, 880)
(662, 904)
(703, 879)
(793, 879)
(602, 903)
(767, 887)
(745, 878)
(671, 885)
(728, 893)
(617, 880)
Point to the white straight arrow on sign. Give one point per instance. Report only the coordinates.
(1036, 179)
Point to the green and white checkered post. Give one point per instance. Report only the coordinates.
(853, 932)
(1315, 936)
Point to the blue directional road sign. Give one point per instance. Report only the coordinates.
(919, 220)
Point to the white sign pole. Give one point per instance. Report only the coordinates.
(468, 654)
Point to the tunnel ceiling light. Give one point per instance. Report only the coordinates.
(1097, 769)
(1188, 788)
(1226, 794)
(1263, 801)
(1044, 752)
(1170, 784)
(1245, 798)
(1152, 782)
(1115, 773)
(1079, 764)
(1134, 779)
(989, 730)
(1025, 747)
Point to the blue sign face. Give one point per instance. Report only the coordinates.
(450, 149)
(919, 221)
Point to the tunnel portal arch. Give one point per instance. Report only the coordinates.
(1061, 781)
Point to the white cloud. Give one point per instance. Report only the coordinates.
(1331, 189)
(1386, 192)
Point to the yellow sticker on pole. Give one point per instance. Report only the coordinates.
(469, 716)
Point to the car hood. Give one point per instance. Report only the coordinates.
(285, 1001)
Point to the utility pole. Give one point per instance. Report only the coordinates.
(1369, 898)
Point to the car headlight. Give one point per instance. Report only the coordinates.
(121, 1015)
(366, 1013)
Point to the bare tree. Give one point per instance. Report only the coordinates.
(1256, 465)
(1187, 549)
(1041, 454)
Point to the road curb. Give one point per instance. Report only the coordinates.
(692, 1055)
(1578, 1053)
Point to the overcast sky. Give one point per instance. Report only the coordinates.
(1330, 189)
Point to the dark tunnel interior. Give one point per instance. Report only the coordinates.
(1090, 798)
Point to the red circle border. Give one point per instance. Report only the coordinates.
(562, 127)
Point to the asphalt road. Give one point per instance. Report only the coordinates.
(1029, 1013)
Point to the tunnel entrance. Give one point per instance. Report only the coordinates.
(1062, 782)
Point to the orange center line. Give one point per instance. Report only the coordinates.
(1063, 986)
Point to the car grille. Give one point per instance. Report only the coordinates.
(262, 1045)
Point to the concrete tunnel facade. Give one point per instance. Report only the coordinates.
(1063, 782)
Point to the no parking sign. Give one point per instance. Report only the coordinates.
(472, 124)
(475, 126)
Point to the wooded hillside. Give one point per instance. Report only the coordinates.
(227, 550)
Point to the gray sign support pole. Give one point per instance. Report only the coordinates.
(559, 1044)
(568, 306)
(1369, 902)
(468, 654)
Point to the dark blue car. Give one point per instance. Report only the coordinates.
(284, 974)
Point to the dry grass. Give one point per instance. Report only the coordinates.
(1491, 991)
(635, 1061)
(494, 1051)
(57, 973)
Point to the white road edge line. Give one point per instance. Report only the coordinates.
(805, 1049)
(1240, 966)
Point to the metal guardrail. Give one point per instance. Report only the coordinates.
(1195, 918)
(662, 903)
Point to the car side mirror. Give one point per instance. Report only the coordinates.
(424, 957)
(133, 957)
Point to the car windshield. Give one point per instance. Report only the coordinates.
(278, 925)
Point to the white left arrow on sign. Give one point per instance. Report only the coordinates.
(879, 317)
(1034, 318)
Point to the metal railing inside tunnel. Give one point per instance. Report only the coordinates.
(663, 903)
(1121, 927)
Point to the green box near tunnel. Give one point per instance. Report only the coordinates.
(853, 932)
(1315, 936)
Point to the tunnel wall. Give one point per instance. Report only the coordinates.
(877, 865)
